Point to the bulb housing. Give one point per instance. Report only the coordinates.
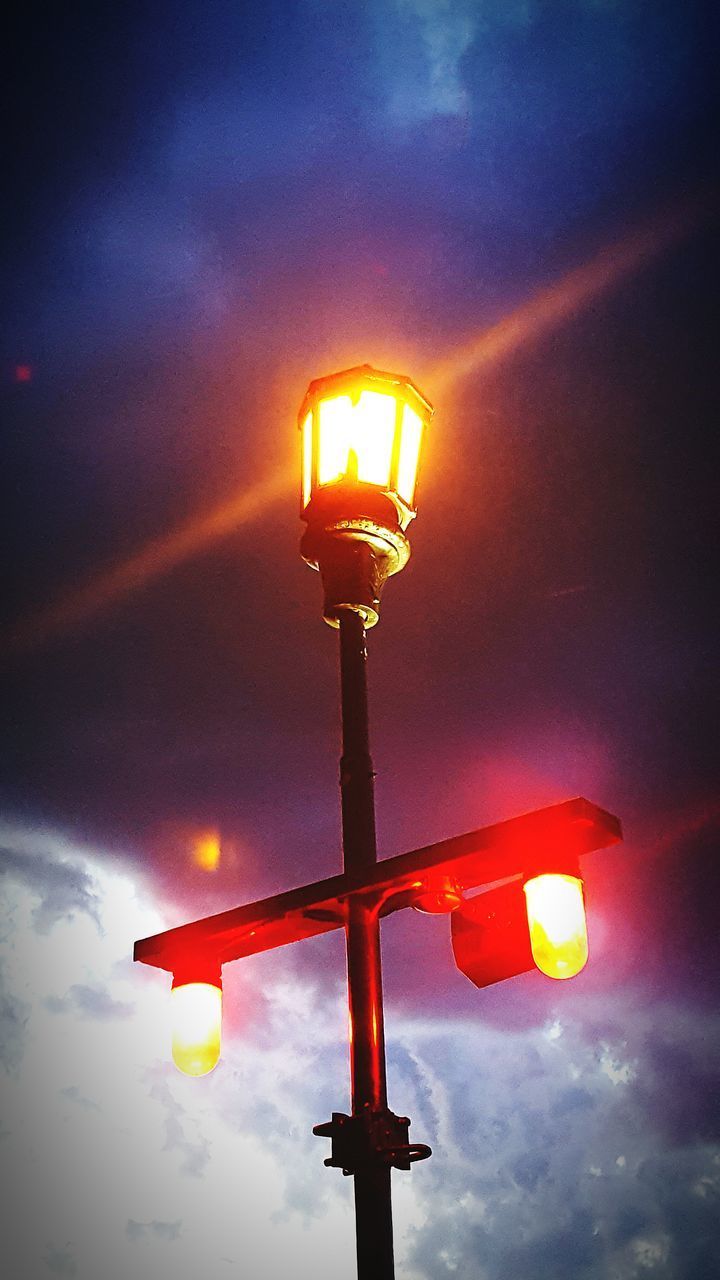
(557, 923)
(534, 920)
(196, 1008)
(489, 935)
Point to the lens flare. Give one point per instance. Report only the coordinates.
(562, 298)
(207, 850)
(158, 557)
(545, 310)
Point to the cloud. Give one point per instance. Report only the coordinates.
(13, 1020)
(559, 1169)
(195, 1152)
(421, 47)
(90, 1002)
(162, 1230)
(431, 83)
(73, 1093)
(63, 885)
(60, 1261)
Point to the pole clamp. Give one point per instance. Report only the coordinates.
(370, 1140)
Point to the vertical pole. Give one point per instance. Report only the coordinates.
(373, 1207)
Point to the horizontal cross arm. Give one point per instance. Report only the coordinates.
(470, 861)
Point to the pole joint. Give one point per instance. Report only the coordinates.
(370, 1140)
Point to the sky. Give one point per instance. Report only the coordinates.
(515, 204)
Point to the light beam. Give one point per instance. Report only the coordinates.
(546, 309)
(563, 298)
(157, 557)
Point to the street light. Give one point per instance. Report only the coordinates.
(362, 431)
(361, 436)
(535, 920)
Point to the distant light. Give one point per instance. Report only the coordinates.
(23, 373)
(557, 923)
(206, 850)
(196, 1027)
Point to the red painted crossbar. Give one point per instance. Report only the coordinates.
(473, 860)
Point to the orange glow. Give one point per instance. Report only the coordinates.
(558, 928)
(196, 1027)
(207, 850)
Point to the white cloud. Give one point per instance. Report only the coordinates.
(446, 29)
(612, 1066)
(420, 46)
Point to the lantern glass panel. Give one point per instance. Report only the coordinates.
(373, 437)
(307, 453)
(409, 455)
(334, 435)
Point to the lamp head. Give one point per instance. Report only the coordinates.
(534, 920)
(361, 431)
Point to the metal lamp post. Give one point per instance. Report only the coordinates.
(362, 432)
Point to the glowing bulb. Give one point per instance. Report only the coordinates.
(365, 429)
(196, 1025)
(558, 928)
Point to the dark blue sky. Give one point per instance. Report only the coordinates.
(209, 206)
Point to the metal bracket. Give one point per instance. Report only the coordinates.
(370, 1140)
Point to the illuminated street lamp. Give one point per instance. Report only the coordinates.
(361, 437)
(362, 431)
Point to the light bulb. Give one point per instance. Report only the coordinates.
(558, 928)
(196, 1025)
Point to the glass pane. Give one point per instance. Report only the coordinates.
(409, 454)
(335, 433)
(306, 460)
(373, 434)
